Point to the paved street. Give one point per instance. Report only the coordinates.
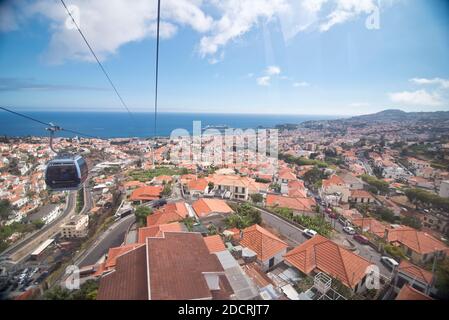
(113, 237)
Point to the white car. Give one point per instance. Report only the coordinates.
(389, 262)
(309, 233)
(349, 230)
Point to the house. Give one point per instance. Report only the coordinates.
(176, 266)
(335, 185)
(269, 248)
(320, 254)
(197, 187)
(132, 185)
(158, 230)
(298, 205)
(444, 189)
(351, 181)
(162, 180)
(418, 245)
(209, 210)
(171, 212)
(418, 278)
(371, 226)
(409, 293)
(361, 196)
(436, 221)
(235, 187)
(145, 194)
(76, 227)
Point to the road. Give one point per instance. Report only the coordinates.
(113, 237)
(46, 230)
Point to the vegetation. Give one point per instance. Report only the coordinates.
(245, 215)
(141, 214)
(412, 222)
(8, 231)
(256, 198)
(260, 180)
(396, 252)
(212, 230)
(385, 214)
(147, 175)
(166, 192)
(5, 209)
(80, 200)
(189, 222)
(276, 187)
(427, 199)
(87, 291)
(38, 224)
(378, 185)
(442, 276)
(301, 161)
(314, 177)
(317, 223)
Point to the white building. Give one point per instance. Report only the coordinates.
(77, 227)
(444, 189)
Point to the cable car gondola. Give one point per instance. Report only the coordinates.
(66, 171)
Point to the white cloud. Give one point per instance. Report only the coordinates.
(417, 98)
(110, 24)
(443, 83)
(263, 81)
(346, 10)
(301, 84)
(273, 70)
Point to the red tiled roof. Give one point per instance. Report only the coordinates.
(322, 254)
(262, 242)
(214, 243)
(300, 204)
(197, 185)
(171, 212)
(333, 180)
(129, 279)
(361, 194)
(158, 230)
(146, 193)
(415, 272)
(417, 241)
(371, 225)
(114, 253)
(203, 207)
(177, 265)
(409, 293)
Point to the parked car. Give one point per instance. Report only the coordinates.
(389, 262)
(333, 215)
(349, 230)
(328, 210)
(309, 233)
(361, 239)
(342, 221)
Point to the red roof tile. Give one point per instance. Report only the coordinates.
(262, 242)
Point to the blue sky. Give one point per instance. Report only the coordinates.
(253, 56)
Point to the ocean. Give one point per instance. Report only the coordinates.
(122, 125)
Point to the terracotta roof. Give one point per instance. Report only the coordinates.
(409, 293)
(214, 243)
(295, 203)
(132, 184)
(258, 276)
(171, 212)
(158, 230)
(286, 174)
(114, 253)
(359, 193)
(163, 178)
(197, 184)
(415, 272)
(129, 279)
(333, 180)
(324, 255)
(146, 193)
(177, 265)
(371, 225)
(203, 207)
(262, 242)
(417, 241)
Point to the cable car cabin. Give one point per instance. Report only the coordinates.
(66, 172)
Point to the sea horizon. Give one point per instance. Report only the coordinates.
(120, 124)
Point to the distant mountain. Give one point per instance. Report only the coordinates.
(399, 115)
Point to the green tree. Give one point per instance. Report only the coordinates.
(5, 209)
(386, 214)
(256, 198)
(57, 293)
(141, 214)
(38, 224)
(166, 192)
(412, 222)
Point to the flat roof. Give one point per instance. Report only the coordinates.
(42, 247)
